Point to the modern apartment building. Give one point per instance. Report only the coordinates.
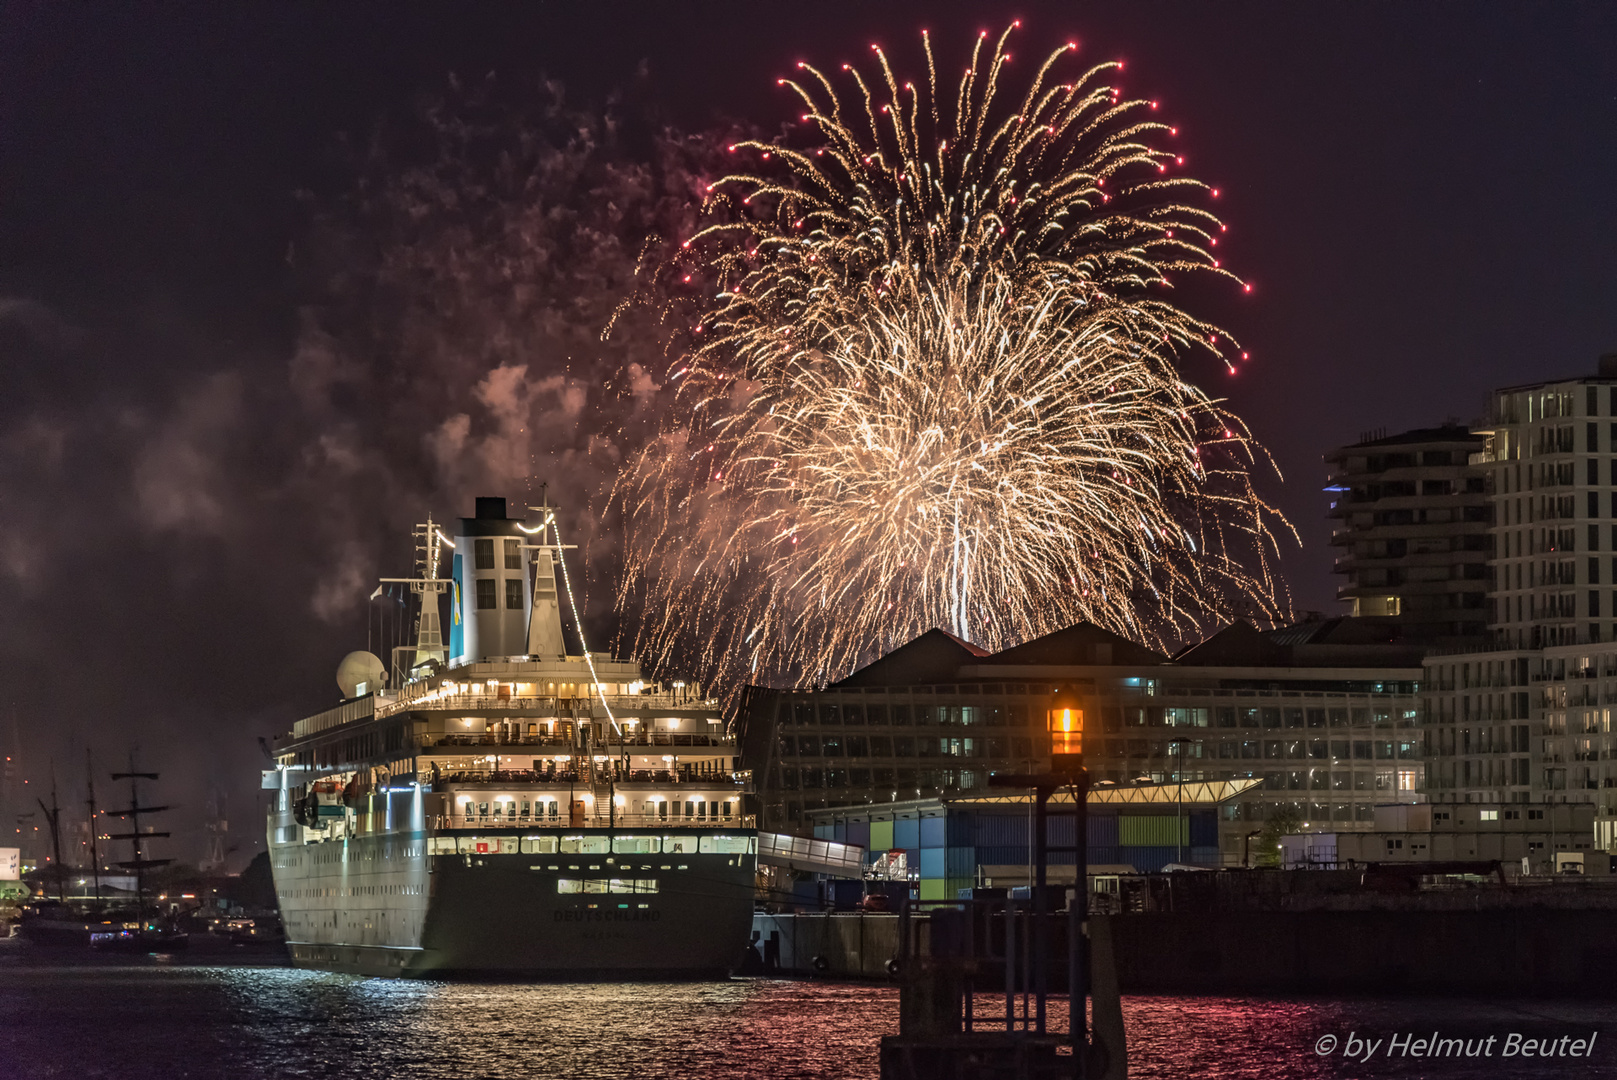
(1414, 516)
(1552, 450)
(1325, 713)
(1529, 719)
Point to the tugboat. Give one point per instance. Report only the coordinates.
(502, 806)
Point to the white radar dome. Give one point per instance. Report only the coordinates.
(361, 673)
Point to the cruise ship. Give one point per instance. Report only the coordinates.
(498, 806)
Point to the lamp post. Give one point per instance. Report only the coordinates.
(1064, 725)
(1179, 798)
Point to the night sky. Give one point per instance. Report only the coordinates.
(211, 444)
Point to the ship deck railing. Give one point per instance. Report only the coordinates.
(689, 777)
(620, 820)
(562, 742)
(565, 708)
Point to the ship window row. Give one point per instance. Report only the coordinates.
(353, 890)
(606, 885)
(593, 845)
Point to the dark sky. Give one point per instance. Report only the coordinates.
(1425, 197)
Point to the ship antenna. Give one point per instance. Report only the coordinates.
(428, 586)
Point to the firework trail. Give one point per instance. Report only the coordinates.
(935, 383)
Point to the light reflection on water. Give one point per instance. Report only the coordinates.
(140, 1021)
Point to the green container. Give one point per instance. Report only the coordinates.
(1158, 830)
(881, 836)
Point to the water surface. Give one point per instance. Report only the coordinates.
(149, 1018)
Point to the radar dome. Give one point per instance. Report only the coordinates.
(361, 673)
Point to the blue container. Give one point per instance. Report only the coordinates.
(825, 832)
(1203, 830)
(1103, 856)
(1006, 855)
(934, 832)
(906, 833)
(961, 862)
(1061, 831)
(934, 864)
(1102, 830)
(859, 833)
(960, 829)
(1001, 830)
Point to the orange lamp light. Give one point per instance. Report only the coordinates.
(1065, 723)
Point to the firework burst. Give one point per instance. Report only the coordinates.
(936, 383)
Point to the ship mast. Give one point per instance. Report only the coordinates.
(95, 857)
(429, 636)
(546, 573)
(138, 864)
(53, 814)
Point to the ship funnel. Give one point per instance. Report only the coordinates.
(492, 602)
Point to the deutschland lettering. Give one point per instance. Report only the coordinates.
(608, 915)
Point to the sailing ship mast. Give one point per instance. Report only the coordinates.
(95, 856)
(139, 864)
(53, 814)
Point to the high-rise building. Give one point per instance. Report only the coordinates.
(1530, 720)
(1551, 451)
(1414, 513)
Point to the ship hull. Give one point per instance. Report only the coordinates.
(385, 906)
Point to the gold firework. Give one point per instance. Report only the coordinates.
(937, 385)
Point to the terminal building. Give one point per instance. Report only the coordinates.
(983, 839)
(1324, 716)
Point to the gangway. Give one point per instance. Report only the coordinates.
(814, 856)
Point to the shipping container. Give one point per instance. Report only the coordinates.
(1203, 829)
(1102, 830)
(934, 831)
(934, 863)
(906, 833)
(1001, 830)
(881, 836)
(858, 832)
(1162, 830)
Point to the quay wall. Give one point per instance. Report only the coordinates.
(1526, 951)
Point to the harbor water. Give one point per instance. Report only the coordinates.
(141, 1018)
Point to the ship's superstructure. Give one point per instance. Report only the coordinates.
(505, 806)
